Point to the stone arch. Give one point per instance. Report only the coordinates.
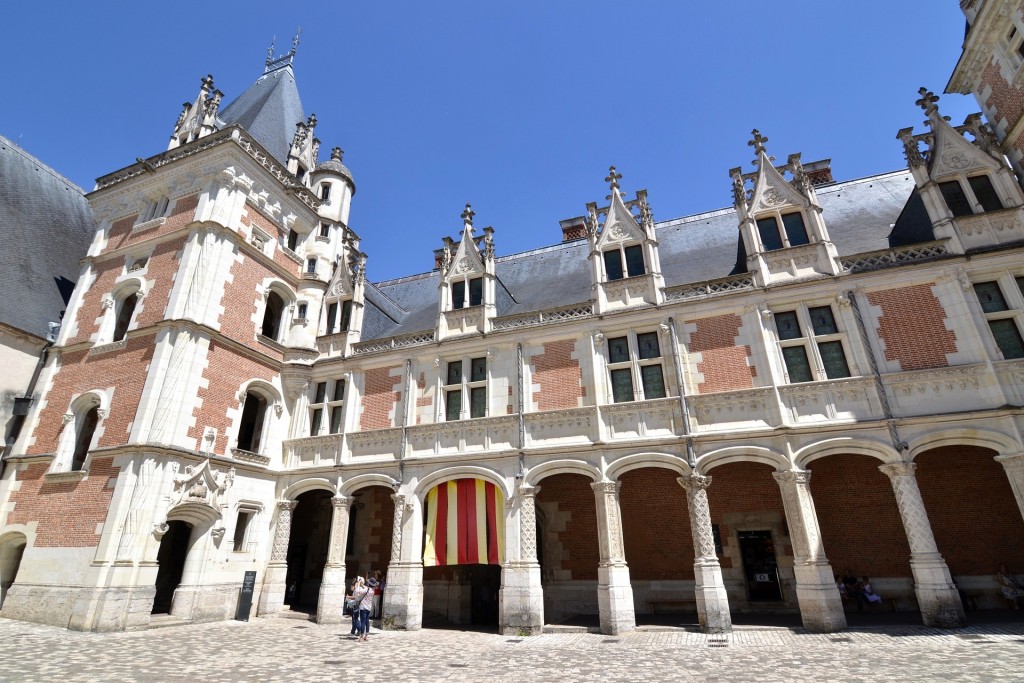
(12, 547)
(363, 481)
(730, 454)
(311, 484)
(636, 461)
(845, 445)
(963, 436)
(461, 472)
(547, 469)
(87, 411)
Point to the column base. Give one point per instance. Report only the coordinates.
(615, 599)
(821, 607)
(272, 597)
(403, 597)
(330, 605)
(938, 599)
(520, 600)
(712, 600)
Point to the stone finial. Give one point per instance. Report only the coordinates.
(270, 51)
(757, 142)
(311, 122)
(613, 178)
(295, 42)
(467, 214)
(206, 84)
(927, 101)
(337, 153)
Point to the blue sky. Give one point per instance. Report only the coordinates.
(518, 107)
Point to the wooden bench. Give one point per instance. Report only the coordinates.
(673, 605)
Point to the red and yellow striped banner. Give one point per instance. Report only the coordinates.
(465, 524)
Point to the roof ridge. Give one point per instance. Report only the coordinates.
(21, 150)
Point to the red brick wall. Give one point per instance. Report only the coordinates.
(225, 371)
(723, 363)
(970, 504)
(860, 523)
(162, 266)
(67, 512)
(241, 303)
(912, 325)
(1007, 100)
(379, 515)
(379, 398)
(182, 214)
(743, 487)
(656, 526)
(126, 369)
(558, 376)
(91, 307)
(580, 553)
(268, 226)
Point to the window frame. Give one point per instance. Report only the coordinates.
(964, 181)
(328, 404)
(465, 388)
(778, 216)
(1011, 288)
(466, 287)
(246, 543)
(635, 365)
(623, 259)
(811, 341)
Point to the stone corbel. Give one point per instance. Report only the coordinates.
(106, 302)
(599, 338)
(159, 529)
(842, 300)
(217, 534)
(278, 409)
(102, 413)
(66, 419)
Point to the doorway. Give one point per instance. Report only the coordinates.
(760, 566)
(307, 550)
(171, 558)
(10, 561)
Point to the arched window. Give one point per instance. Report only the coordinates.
(125, 310)
(250, 430)
(85, 427)
(272, 315)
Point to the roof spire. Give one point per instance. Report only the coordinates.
(273, 63)
(613, 178)
(467, 216)
(757, 142)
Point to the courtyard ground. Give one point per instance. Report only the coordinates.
(281, 649)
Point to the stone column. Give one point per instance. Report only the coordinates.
(331, 603)
(1014, 466)
(821, 606)
(712, 601)
(936, 596)
(614, 591)
(521, 599)
(403, 592)
(272, 597)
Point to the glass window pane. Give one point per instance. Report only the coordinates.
(321, 391)
(336, 413)
(985, 193)
(452, 404)
(822, 320)
(647, 345)
(455, 372)
(635, 260)
(769, 230)
(476, 291)
(478, 370)
(834, 360)
(613, 264)
(618, 350)
(955, 198)
(346, 315)
(795, 229)
(478, 402)
(1020, 285)
(787, 325)
(459, 294)
(797, 367)
(332, 317)
(622, 385)
(339, 390)
(314, 424)
(1007, 337)
(990, 296)
(653, 381)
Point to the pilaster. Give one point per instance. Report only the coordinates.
(331, 603)
(521, 598)
(272, 597)
(937, 597)
(614, 591)
(712, 600)
(403, 594)
(821, 607)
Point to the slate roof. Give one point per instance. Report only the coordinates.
(861, 215)
(269, 110)
(47, 226)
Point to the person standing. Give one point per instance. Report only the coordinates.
(352, 605)
(378, 593)
(365, 597)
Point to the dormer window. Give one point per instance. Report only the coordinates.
(793, 232)
(476, 293)
(332, 316)
(633, 258)
(977, 192)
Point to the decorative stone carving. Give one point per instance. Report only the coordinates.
(159, 529)
(396, 527)
(528, 522)
(66, 419)
(283, 531)
(696, 486)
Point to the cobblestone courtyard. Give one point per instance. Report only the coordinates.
(290, 650)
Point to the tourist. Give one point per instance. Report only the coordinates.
(352, 606)
(365, 597)
(853, 589)
(868, 593)
(378, 593)
(1009, 587)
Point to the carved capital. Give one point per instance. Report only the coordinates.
(66, 419)
(528, 491)
(159, 529)
(793, 477)
(898, 469)
(288, 505)
(341, 502)
(605, 487)
(695, 482)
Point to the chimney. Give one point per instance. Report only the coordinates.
(819, 172)
(573, 229)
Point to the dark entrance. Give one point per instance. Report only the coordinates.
(171, 558)
(484, 581)
(307, 550)
(759, 566)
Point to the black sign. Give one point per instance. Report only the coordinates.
(245, 598)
